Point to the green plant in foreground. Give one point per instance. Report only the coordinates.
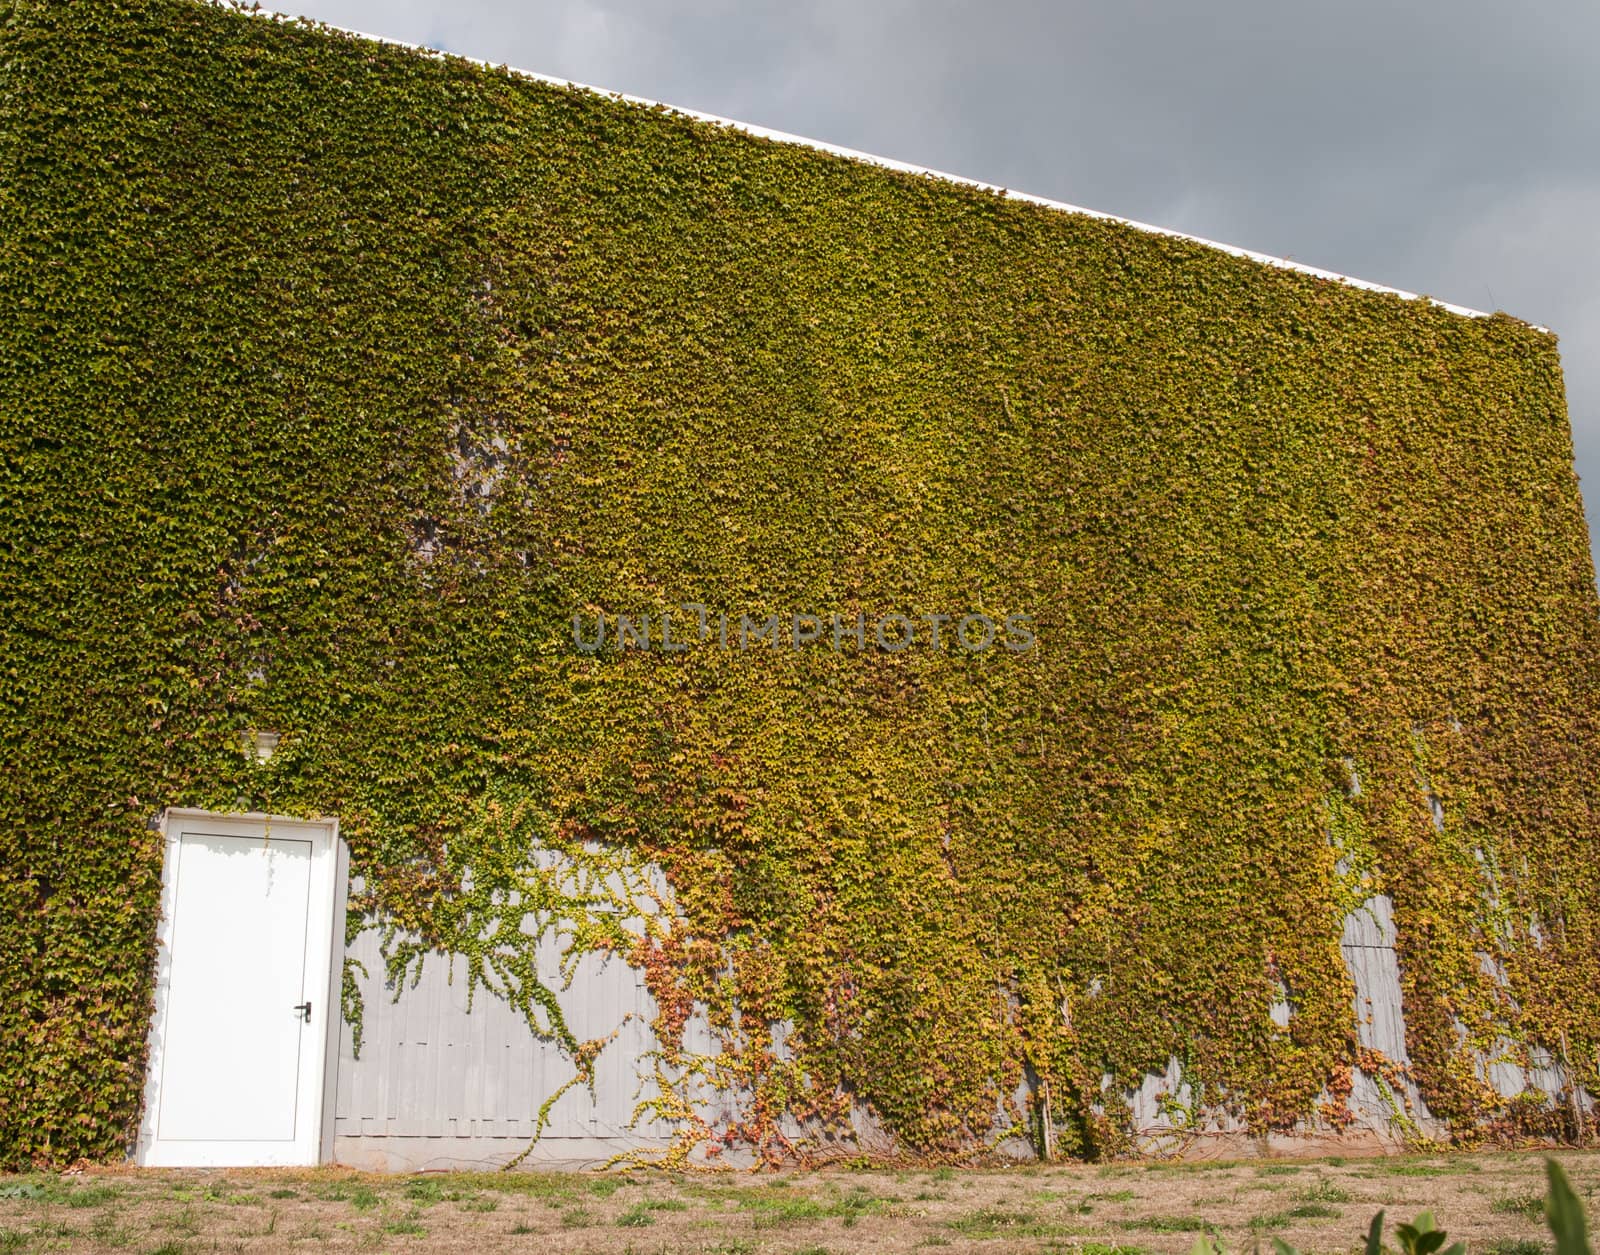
(1421, 1237)
(1564, 1213)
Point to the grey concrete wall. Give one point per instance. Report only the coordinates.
(437, 1087)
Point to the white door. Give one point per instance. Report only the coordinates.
(238, 1043)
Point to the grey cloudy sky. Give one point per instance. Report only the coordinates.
(1446, 148)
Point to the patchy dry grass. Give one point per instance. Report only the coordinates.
(1492, 1201)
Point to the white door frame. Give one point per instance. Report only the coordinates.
(324, 953)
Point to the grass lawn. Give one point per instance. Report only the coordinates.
(1492, 1201)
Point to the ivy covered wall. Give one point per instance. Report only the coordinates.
(335, 379)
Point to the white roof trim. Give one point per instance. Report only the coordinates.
(888, 163)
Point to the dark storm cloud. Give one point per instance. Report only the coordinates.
(1452, 149)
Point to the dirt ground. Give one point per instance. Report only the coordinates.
(1492, 1201)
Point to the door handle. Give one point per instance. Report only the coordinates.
(304, 1008)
